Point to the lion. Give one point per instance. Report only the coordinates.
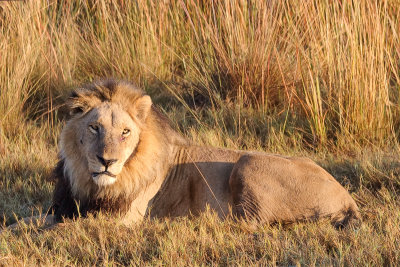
(119, 154)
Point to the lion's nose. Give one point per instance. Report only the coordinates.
(106, 162)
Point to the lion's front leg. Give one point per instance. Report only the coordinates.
(44, 221)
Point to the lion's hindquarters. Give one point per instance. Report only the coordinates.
(276, 189)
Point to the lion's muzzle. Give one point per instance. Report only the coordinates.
(104, 178)
(104, 175)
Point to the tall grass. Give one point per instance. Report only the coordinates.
(332, 68)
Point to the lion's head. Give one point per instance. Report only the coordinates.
(110, 144)
(108, 135)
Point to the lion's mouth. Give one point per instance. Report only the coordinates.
(95, 174)
(104, 178)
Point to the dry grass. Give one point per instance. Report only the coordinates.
(315, 78)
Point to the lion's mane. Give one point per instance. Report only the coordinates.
(75, 191)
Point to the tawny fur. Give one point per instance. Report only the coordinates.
(166, 176)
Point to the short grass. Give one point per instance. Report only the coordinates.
(312, 78)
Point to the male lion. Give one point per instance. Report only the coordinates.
(119, 154)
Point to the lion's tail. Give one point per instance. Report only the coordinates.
(347, 216)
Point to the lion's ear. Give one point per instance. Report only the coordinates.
(78, 102)
(142, 107)
(76, 108)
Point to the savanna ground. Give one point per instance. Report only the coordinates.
(313, 78)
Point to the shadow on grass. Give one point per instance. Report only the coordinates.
(24, 189)
(372, 174)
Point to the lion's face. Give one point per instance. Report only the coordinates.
(102, 136)
(109, 137)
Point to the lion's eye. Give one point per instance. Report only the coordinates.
(94, 128)
(126, 132)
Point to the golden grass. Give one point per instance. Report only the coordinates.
(315, 78)
(332, 68)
